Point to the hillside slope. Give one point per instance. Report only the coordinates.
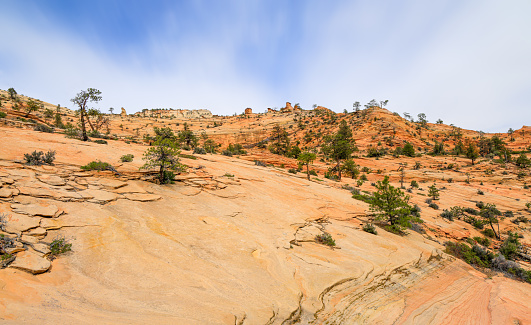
(230, 243)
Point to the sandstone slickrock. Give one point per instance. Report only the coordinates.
(35, 209)
(51, 180)
(6, 192)
(31, 262)
(17, 223)
(143, 197)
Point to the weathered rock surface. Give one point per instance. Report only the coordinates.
(98, 196)
(51, 180)
(143, 197)
(35, 209)
(31, 262)
(6, 192)
(246, 254)
(17, 223)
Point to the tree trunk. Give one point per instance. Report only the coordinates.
(83, 129)
(88, 120)
(338, 170)
(161, 174)
(308, 170)
(495, 233)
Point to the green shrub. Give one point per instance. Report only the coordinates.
(414, 184)
(100, 141)
(59, 246)
(169, 177)
(236, 149)
(3, 114)
(447, 215)
(480, 192)
(127, 158)
(43, 128)
(313, 172)
(37, 158)
(368, 227)
(482, 241)
(472, 211)
(325, 239)
(433, 205)
(200, 151)
(510, 246)
(488, 232)
(72, 132)
(96, 165)
(292, 171)
(476, 255)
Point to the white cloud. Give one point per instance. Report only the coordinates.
(466, 62)
(53, 65)
(469, 66)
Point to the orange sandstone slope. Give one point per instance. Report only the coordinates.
(220, 249)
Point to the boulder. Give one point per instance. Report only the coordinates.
(5, 192)
(98, 196)
(41, 249)
(51, 180)
(37, 232)
(17, 223)
(35, 209)
(31, 262)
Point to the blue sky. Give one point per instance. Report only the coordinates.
(466, 62)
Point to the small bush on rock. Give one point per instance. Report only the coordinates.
(325, 239)
(127, 158)
(96, 165)
(368, 227)
(59, 246)
(43, 128)
(38, 158)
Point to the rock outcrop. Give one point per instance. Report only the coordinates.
(175, 113)
(123, 113)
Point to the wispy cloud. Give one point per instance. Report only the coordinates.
(465, 62)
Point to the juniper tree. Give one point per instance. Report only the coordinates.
(433, 192)
(12, 93)
(82, 99)
(306, 158)
(350, 168)
(391, 205)
(163, 155)
(280, 139)
(31, 106)
(339, 146)
(490, 213)
(472, 152)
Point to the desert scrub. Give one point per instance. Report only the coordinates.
(127, 158)
(96, 165)
(325, 239)
(59, 246)
(3, 114)
(43, 128)
(37, 158)
(200, 151)
(368, 227)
